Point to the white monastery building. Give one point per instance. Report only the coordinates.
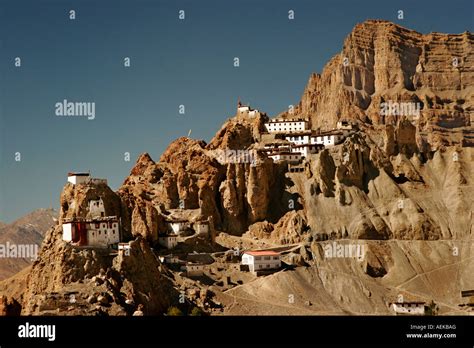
(178, 226)
(306, 149)
(328, 138)
(78, 178)
(409, 308)
(290, 157)
(287, 126)
(97, 232)
(344, 125)
(261, 260)
(246, 111)
(301, 138)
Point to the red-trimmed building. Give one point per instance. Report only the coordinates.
(97, 232)
(261, 260)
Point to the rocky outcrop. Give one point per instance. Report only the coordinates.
(74, 200)
(233, 192)
(71, 280)
(143, 281)
(238, 133)
(383, 62)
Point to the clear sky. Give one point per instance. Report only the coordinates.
(173, 62)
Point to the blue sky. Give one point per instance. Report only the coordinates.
(173, 62)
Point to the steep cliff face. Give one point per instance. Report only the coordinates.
(190, 174)
(70, 281)
(383, 62)
(353, 191)
(245, 195)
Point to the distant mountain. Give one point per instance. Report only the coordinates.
(29, 229)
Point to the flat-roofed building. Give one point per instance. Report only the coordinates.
(409, 308)
(77, 178)
(329, 138)
(286, 125)
(290, 157)
(261, 260)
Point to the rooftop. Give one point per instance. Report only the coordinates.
(262, 253)
(97, 219)
(305, 132)
(281, 120)
(78, 174)
(308, 145)
(176, 220)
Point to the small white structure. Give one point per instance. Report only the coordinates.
(299, 138)
(274, 147)
(194, 269)
(246, 111)
(124, 249)
(261, 260)
(170, 260)
(96, 208)
(344, 124)
(243, 109)
(178, 226)
(290, 157)
(98, 232)
(254, 113)
(306, 149)
(409, 308)
(327, 138)
(169, 241)
(77, 178)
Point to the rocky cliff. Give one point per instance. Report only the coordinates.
(384, 62)
(397, 178)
